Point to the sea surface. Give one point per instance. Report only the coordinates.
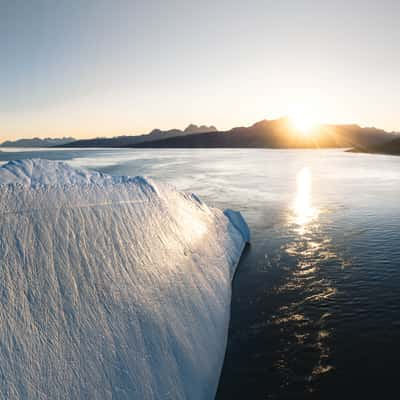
(316, 297)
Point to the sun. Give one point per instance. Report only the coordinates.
(303, 123)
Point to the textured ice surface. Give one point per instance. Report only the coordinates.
(111, 287)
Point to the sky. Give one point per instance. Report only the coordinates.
(103, 68)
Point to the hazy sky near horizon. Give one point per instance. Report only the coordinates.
(101, 68)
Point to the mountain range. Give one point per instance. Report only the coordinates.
(279, 133)
(128, 141)
(37, 142)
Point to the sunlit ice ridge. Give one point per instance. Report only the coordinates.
(113, 286)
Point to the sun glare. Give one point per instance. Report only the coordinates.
(303, 123)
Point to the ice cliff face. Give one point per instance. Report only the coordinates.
(111, 287)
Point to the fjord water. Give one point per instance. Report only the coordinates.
(316, 297)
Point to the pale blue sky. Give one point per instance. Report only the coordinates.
(96, 67)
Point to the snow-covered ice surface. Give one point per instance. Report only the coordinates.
(111, 287)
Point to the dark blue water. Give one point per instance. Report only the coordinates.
(316, 298)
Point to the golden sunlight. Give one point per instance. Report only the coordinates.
(303, 122)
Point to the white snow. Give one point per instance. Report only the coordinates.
(111, 287)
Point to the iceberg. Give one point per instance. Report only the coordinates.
(111, 287)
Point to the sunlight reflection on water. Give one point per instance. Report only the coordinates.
(304, 212)
(309, 248)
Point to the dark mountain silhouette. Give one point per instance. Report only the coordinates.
(37, 142)
(199, 129)
(127, 141)
(278, 133)
(391, 147)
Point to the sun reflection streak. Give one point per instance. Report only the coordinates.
(308, 289)
(303, 209)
